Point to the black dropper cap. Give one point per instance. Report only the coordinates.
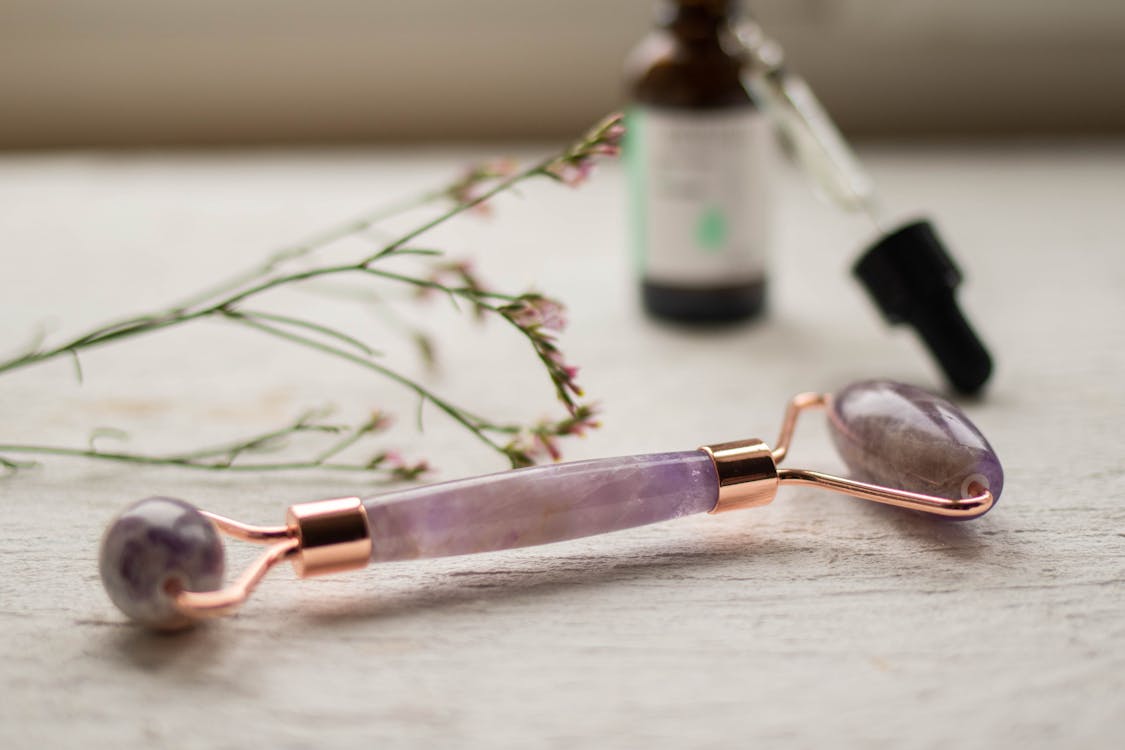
(912, 279)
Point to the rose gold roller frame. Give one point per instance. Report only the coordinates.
(749, 475)
(330, 536)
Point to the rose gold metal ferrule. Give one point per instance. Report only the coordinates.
(332, 535)
(747, 474)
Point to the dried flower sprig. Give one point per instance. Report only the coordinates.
(536, 317)
(541, 439)
(457, 274)
(574, 166)
(466, 189)
(539, 318)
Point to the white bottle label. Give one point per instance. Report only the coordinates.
(699, 184)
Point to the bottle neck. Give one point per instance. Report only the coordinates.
(698, 19)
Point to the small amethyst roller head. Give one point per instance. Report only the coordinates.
(161, 560)
(152, 551)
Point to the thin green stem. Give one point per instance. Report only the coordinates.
(475, 295)
(314, 327)
(359, 224)
(184, 462)
(225, 455)
(102, 336)
(347, 441)
(459, 415)
(264, 442)
(379, 307)
(459, 208)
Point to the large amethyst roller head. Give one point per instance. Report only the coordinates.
(901, 436)
(162, 561)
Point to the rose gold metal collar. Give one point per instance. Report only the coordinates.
(749, 475)
(327, 536)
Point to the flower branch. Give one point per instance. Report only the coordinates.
(537, 318)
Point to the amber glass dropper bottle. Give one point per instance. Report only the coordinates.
(698, 153)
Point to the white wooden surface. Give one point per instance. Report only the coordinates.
(815, 622)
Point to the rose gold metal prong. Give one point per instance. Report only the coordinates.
(968, 507)
(203, 604)
(798, 404)
(247, 533)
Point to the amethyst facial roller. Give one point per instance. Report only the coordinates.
(162, 559)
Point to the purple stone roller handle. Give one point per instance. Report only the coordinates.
(540, 505)
(897, 435)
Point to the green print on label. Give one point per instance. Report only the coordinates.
(711, 230)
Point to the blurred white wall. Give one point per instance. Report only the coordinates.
(139, 72)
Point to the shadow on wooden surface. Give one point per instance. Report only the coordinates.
(719, 553)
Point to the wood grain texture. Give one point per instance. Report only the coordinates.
(815, 622)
